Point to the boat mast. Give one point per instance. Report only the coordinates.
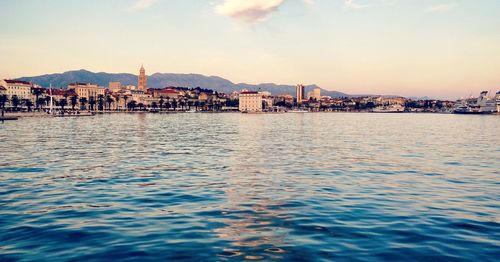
(50, 92)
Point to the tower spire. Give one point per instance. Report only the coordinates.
(142, 81)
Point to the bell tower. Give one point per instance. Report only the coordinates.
(142, 85)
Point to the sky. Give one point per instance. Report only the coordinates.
(437, 48)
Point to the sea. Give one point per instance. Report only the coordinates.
(238, 187)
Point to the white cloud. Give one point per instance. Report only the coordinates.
(350, 4)
(141, 4)
(440, 8)
(361, 4)
(248, 11)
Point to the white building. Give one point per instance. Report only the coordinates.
(250, 101)
(21, 89)
(87, 90)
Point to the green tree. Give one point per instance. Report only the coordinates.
(167, 104)
(14, 100)
(3, 99)
(40, 102)
(62, 103)
(83, 101)
(109, 101)
(73, 100)
(117, 99)
(28, 103)
(131, 105)
(37, 92)
(174, 104)
(125, 98)
(100, 102)
(161, 102)
(92, 103)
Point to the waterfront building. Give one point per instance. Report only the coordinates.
(170, 93)
(299, 93)
(250, 101)
(142, 84)
(114, 86)
(3, 90)
(87, 90)
(21, 89)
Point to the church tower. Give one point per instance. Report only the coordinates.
(143, 81)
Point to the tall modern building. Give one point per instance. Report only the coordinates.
(143, 81)
(299, 93)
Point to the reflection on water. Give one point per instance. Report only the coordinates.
(251, 187)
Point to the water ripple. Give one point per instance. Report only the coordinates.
(232, 187)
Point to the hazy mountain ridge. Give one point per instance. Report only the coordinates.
(160, 80)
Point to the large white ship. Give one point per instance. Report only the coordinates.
(484, 104)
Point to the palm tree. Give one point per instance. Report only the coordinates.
(131, 105)
(161, 102)
(125, 97)
(83, 101)
(3, 99)
(167, 105)
(62, 103)
(100, 101)
(92, 103)
(74, 100)
(117, 98)
(182, 104)
(37, 92)
(14, 100)
(47, 100)
(40, 102)
(174, 104)
(109, 101)
(28, 104)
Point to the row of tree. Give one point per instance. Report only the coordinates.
(103, 102)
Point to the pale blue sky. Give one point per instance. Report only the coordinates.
(443, 48)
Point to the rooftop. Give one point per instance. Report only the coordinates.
(13, 81)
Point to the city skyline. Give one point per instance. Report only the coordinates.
(411, 48)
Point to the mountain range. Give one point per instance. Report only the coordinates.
(161, 80)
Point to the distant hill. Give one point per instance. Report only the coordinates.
(160, 80)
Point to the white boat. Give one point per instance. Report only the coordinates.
(484, 104)
(191, 111)
(298, 111)
(396, 108)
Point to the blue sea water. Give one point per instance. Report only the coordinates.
(231, 187)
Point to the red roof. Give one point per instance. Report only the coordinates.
(168, 91)
(9, 81)
(56, 92)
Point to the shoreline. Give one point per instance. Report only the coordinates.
(85, 113)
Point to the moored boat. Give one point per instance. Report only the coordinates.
(396, 108)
